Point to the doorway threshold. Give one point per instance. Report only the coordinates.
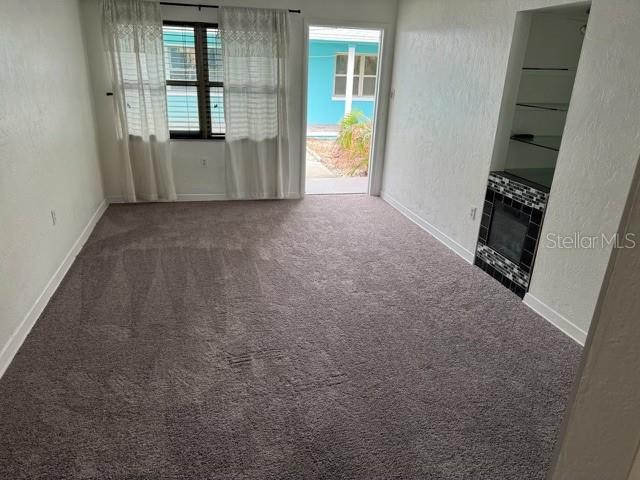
(336, 185)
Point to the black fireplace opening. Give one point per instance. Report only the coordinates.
(508, 231)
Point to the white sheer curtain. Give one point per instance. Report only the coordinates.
(262, 86)
(132, 31)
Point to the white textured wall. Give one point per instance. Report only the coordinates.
(191, 179)
(600, 149)
(48, 155)
(449, 72)
(601, 432)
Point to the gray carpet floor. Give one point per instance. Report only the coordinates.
(328, 338)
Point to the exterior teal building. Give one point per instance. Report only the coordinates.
(327, 75)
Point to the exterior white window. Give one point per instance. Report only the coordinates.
(364, 75)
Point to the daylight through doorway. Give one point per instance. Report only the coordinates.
(341, 99)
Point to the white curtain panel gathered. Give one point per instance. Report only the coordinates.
(262, 88)
(132, 32)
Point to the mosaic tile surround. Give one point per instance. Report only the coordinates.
(531, 204)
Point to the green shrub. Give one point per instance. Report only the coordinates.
(354, 138)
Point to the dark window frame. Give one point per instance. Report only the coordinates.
(202, 84)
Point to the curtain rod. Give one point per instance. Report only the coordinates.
(200, 7)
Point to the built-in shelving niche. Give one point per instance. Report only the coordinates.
(541, 74)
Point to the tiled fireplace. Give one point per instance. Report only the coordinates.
(510, 229)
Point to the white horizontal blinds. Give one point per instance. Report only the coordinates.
(181, 75)
(180, 52)
(216, 102)
(215, 82)
(214, 55)
(193, 62)
(182, 108)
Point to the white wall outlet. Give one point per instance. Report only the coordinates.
(473, 212)
(54, 219)
(203, 162)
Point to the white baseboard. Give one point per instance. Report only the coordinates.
(201, 197)
(555, 319)
(20, 334)
(434, 231)
(184, 197)
(546, 312)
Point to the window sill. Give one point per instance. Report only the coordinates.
(354, 99)
(212, 139)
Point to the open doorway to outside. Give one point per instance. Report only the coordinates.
(342, 78)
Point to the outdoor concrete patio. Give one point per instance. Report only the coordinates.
(321, 180)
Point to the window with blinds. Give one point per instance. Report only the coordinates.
(194, 77)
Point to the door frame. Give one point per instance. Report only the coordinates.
(381, 102)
